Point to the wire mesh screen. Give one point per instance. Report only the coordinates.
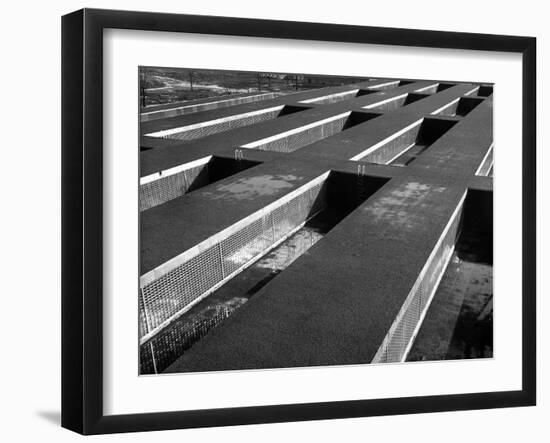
(163, 349)
(390, 105)
(387, 86)
(172, 186)
(297, 140)
(401, 334)
(215, 104)
(146, 359)
(169, 294)
(221, 125)
(393, 148)
(448, 111)
(333, 98)
(429, 90)
(142, 325)
(173, 291)
(241, 247)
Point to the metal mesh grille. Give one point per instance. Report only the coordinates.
(167, 188)
(243, 246)
(169, 294)
(288, 217)
(449, 111)
(401, 334)
(385, 87)
(318, 197)
(162, 350)
(293, 142)
(142, 325)
(146, 360)
(221, 126)
(390, 105)
(393, 148)
(334, 98)
(430, 90)
(190, 109)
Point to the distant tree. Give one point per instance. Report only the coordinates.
(191, 80)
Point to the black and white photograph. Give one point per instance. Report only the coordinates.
(291, 220)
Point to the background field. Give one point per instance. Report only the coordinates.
(167, 85)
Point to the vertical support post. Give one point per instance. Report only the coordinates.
(221, 259)
(145, 313)
(149, 328)
(153, 357)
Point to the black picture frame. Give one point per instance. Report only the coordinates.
(82, 218)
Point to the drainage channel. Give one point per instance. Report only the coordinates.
(429, 131)
(157, 114)
(397, 343)
(163, 186)
(459, 321)
(438, 87)
(485, 91)
(290, 141)
(409, 155)
(458, 108)
(404, 146)
(203, 129)
(164, 348)
(393, 103)
(389, 85)
(485, 169)
(338, 97)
